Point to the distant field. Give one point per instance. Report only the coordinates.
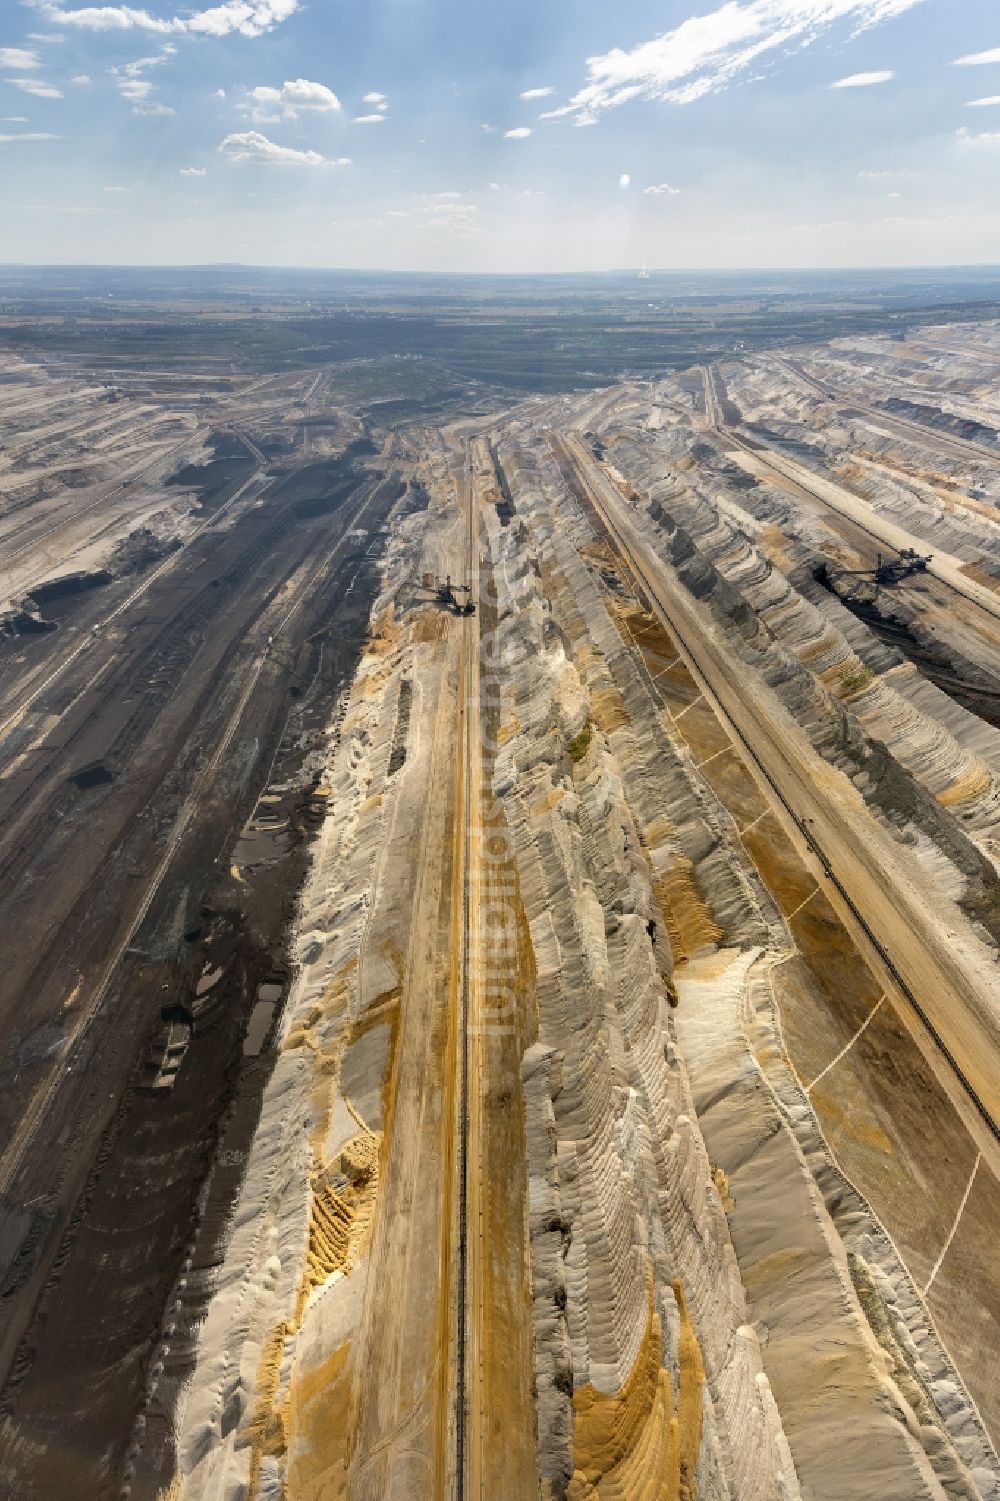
(426, 341)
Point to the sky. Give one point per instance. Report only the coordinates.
(501, 135)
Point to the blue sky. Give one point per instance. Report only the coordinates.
(396, 134)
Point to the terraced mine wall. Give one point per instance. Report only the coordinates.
(606, 1167)
(727, 1257)
(291, 1291)
(731, 613)
(648, 1377)
(700, 1024)
(892, 622)
(909, 769)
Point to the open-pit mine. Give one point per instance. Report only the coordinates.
(502, 920)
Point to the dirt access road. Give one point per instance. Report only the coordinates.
(445, 1409)
(498, 1456)
(406, 1437)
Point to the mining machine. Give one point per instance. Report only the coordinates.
(888, 572)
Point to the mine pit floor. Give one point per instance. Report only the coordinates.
(108, 1237)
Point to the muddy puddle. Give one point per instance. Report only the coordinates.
(260, 1024)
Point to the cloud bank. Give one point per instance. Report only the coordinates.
(706, 53)
(18, 57)
(134, 86)
(249, 18)
(975, 59)
(296, 96)
(252, 146)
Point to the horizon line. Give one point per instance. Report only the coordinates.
(498, 275)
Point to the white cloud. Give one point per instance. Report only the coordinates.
(624, 181)
(142, 65)
(863, 80)
(705, 53)
(18, 57)
(219, 94)
(114, 188)
(368, 119)
(136, 88)
(895, 195)
(29, 135)
(876, 176)
(984, 138)
(251, 146)
(194, 171)
(37, 87)
(544, 93)
(490, 130)
(294, 97)
(982, 103)
(249, 18)
(662, 187)
(456, 218)
(519, 134)
(80, 79)
(973, 59)
(14, 119)
(379, 100)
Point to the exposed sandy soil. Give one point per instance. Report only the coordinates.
(585, 1007)
(185, 713)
